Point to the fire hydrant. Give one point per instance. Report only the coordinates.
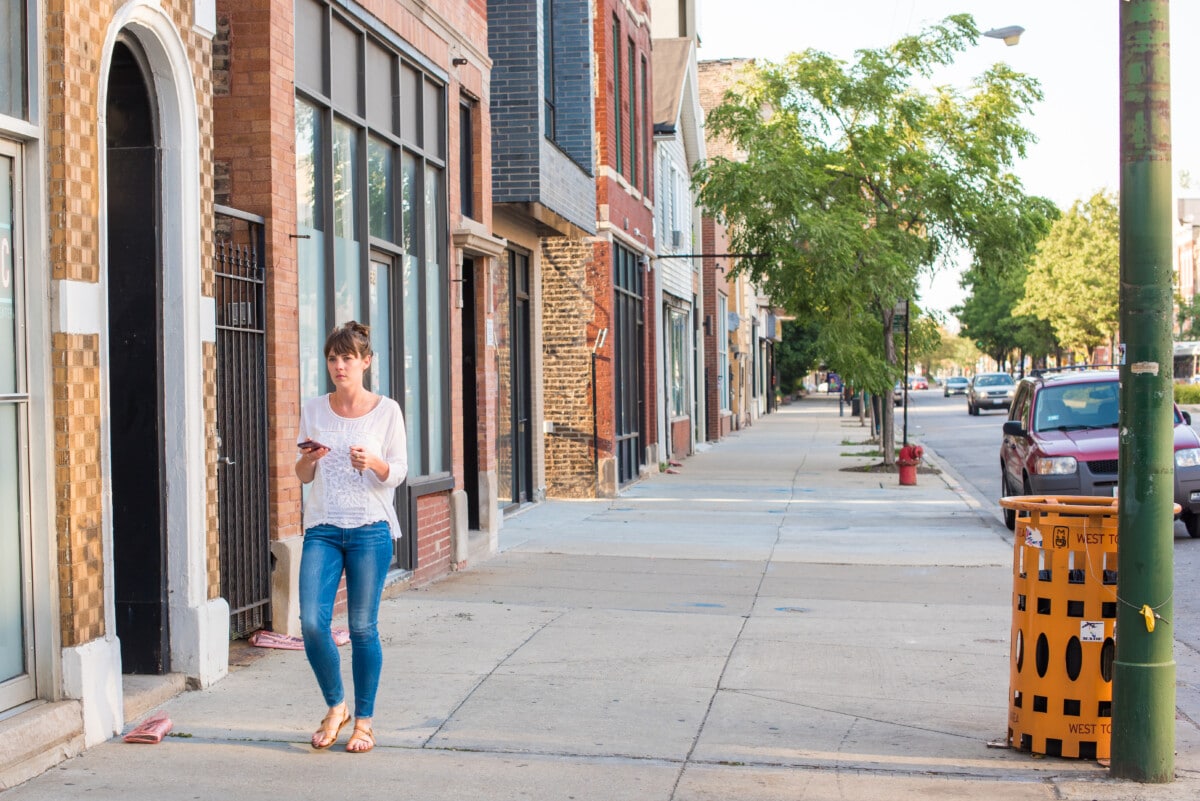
(908, 461)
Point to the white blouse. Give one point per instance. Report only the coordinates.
(340, 495)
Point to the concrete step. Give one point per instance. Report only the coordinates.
(37, 738)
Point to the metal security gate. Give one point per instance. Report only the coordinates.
(242, 419)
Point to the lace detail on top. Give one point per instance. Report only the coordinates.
(338, 494)
(346, 489)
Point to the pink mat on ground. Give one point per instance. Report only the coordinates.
(271, 639)
(151, 730)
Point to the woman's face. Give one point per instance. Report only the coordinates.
(346, 370)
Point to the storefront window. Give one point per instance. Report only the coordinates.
(310, 246)
(435, 324)
(347, 252)
(13, 70)
(677, 331)
(723, 377)
(375, 179)
(380, 187)
(13, 399)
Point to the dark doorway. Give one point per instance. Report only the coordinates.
(470, 385)
(135, 366)
(522, 401)
(514, 407)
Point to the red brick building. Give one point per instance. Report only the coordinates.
(619, 276)
(355, 137)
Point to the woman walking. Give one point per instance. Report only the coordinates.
(353, 451)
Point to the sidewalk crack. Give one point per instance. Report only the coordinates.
(488, 675)
(762, 577)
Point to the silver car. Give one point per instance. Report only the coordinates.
(990, 391)
(955, 385)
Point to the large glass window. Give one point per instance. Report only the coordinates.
(347, 250)
(648, 136)
(466, 158)
(13, 61)
(381, 189)
(723, 377)
(14, 400)
(435, 326)
(633, 113)
(617, 88)
(677, 365)
(371, 186)
(549, 90)
(310, 251)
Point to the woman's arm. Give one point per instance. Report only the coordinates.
(391, 466)
(306, 465)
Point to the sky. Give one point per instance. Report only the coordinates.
(1070, 46)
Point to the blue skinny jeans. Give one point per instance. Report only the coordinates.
(365, 553)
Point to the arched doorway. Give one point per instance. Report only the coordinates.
(135, 291)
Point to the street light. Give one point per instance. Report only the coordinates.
(1011, 34)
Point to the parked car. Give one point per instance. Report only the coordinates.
(955, 385)
(898, 393)
(918, 382)
(990, 391)
(1061, 438)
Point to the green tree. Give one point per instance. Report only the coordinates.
(796, 353)
(954, 354)
(1187, 316)
(1073, 281)
(858, 176)
(996, 281)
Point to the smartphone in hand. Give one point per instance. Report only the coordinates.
(309, 445)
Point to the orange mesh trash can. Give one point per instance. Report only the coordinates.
(1064, 610)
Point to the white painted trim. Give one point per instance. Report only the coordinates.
(78, 307)
(204, 20)
(199, 638)
(208, 319)
(92, 674)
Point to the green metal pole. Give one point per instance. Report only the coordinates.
(1143, 725)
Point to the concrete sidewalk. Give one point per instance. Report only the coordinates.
(761, 626)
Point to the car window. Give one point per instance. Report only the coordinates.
(998, 380)
(1020, 407)
(1077, 406)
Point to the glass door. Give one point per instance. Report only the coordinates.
(381, 378)
(16, 642)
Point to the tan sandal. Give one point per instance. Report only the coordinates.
(331, 727)
(361, 734)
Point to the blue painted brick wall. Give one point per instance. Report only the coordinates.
(526, 166)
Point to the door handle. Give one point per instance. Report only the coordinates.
(226, 460)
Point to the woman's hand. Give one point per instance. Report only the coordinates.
(306, 465)
(361, 459)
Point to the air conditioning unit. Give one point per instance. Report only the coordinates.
(676, 238)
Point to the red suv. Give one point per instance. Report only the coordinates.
(1061, 437)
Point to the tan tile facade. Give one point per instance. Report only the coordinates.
(77, 475)
(75, 33)
(571, 320)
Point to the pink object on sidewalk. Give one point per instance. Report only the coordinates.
(151, 730)
(271, 639)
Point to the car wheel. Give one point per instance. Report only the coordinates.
(1191, 521)
(1010, 515)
